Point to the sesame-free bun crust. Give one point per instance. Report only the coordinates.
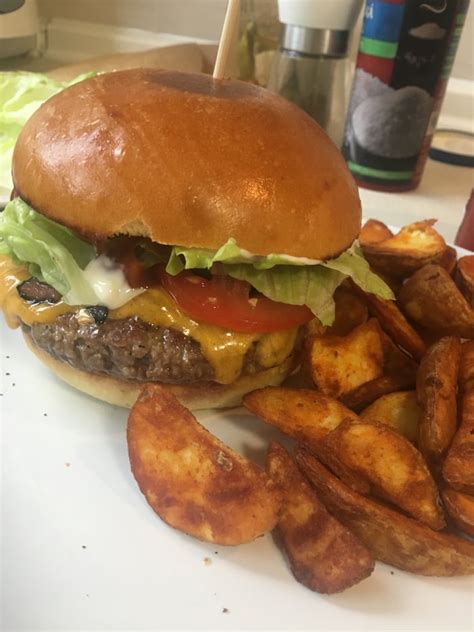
(196, 396)
(187, 160)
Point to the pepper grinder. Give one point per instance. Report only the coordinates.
(311, 67)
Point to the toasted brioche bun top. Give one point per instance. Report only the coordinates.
(187, 160)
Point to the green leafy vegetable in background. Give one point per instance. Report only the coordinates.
(21, 94)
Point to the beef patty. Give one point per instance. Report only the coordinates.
(129, 348)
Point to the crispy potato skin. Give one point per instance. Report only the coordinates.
(392, 466)
(449, 260)
(431, 299)
(466, 368)
(340, 364)
(460, 508)
(458, 467)
(411, 248)
(436, 387)
(399, 374)
(323, 554)
(390, 536)
(394, 323)
(464, 278)
(351, 311)
(331, 459)
(370, 391)
(303, 414)
(374, 232)
(192, 480)
(398, 410)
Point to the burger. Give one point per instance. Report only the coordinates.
(168, 227)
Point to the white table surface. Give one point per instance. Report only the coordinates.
(443, 194)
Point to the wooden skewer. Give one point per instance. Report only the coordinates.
(230, 21)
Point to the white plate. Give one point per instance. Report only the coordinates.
(82, 549)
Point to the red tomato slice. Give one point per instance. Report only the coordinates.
(226, 302)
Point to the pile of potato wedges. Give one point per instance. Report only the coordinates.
(382, 418)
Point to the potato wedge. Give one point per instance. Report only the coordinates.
(458, 467)
(466, 368)
(351, 311)
(192, 480)
(390, 536)
(367, 393)
(374, 232)
(399, 374)
(464, 278)
(331, 460)
(460, 508)
(392, 466)
(436, 386)
(449, 260)
(394, 323)
(323, 554)
(339, 364)
(399, 411)
(432, 299)
(411, 248)
(303, 414)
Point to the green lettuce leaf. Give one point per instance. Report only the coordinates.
(54, 253)
(21, 94)
(58, 256)
(230, 252)
(291, 280)
(313, 286)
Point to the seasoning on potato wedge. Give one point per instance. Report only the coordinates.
(394, 323)
(466, 368)
(390, 536)
(436, 389)
(431, 299)
(399, 374)
(374, 232)
(323, 554)
(411, 248)
(460, 508)
(367, 393)
(398, 410)
(339, 364)
(351, 311)
(192, 480)
(449, 260)
(458, 467)
(389, 463)
(300, 413)
(464, 278)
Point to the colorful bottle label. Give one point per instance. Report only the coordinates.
(406, 53)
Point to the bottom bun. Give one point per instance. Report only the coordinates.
(195, 396)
